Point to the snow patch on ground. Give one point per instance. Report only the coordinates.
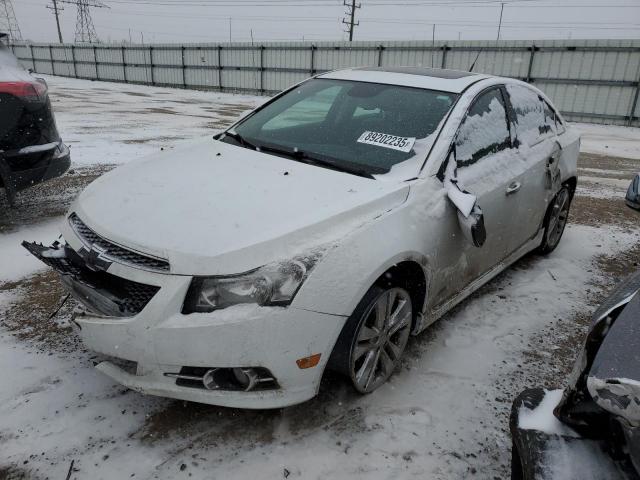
(109, 123)
(609, 140)
(15, 261)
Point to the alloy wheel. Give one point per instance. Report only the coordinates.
(558, 217)
(381, 339)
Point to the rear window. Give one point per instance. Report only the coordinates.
(535, 120)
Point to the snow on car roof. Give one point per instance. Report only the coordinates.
(432, 78)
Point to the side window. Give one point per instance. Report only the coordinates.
(535, 119)
(549, 119)
(485, 129)
(313, 109)
(557, 124)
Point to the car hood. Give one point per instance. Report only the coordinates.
(214, 208)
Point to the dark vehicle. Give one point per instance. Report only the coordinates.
(591, 430)
(633, 194)
(31, 150)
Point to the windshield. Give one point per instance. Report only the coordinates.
(354, 126)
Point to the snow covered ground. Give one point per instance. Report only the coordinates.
(443, 416)
(610, 140)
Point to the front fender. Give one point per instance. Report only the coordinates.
(343, 276)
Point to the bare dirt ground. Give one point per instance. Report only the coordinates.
(444, 415)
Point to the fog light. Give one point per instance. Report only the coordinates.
(238, 379)
(209, 380)
(246, 377)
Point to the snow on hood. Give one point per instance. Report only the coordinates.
(214, 208)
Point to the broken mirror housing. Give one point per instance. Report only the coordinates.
(271, 285)
(470, 216)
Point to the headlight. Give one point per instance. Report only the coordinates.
(273, 284)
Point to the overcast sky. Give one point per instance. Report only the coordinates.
(315, 20)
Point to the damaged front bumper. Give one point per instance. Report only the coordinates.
(134, 316)
(102, 293)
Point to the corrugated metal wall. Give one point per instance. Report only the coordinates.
(588, 80)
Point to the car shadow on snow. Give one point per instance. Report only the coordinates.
(335, 409)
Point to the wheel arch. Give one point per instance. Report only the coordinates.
(571, 183)
(410, 275)
(402, 269)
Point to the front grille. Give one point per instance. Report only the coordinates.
(99, 291)
(115, 252)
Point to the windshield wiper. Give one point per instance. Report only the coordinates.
(305, 157)
(241, 140)
(298, 155)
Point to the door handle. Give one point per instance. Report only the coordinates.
(513, 188)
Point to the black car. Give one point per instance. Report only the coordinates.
(31, 150)
(591, 430)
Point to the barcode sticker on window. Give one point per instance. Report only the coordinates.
(404, 144)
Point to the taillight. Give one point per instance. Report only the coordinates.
(25, 90)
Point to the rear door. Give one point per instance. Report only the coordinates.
(484, 157)
(534, 124)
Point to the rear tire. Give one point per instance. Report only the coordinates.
(372, 341)
(555, 220)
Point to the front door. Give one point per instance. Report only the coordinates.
(486, 168)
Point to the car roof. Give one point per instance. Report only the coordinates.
(421, 77)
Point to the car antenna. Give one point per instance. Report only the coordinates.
(476, 59)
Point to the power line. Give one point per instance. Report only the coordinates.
(351, 13)
(9, 22)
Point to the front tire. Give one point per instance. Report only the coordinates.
(373, 339)
(555, 220)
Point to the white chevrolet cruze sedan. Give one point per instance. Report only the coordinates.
(319, 231)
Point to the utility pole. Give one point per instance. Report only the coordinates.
(229, 29)
(500, 23)
(56, 11)
(8, 21)
(433, 43)
(351, 13)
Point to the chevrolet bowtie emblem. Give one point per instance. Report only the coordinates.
(95, 258)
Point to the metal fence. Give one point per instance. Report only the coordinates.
(589, 80)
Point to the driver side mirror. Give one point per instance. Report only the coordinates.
(470, 216)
